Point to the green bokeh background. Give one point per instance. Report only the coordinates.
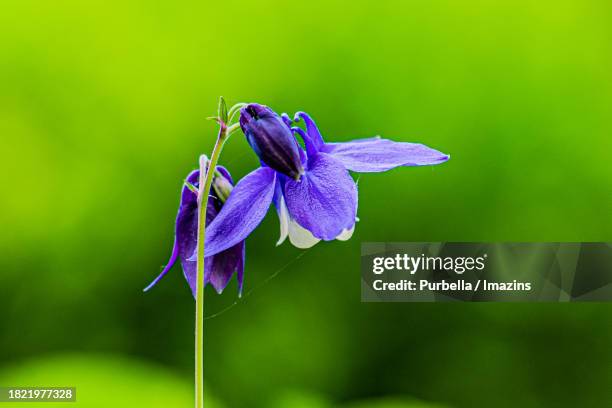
(102, 114)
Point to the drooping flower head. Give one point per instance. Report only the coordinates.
(316, 198)
(218, 269)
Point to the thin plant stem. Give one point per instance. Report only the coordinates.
(207, 171)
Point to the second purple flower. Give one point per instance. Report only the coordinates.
(218, 269)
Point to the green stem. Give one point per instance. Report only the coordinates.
(206, 178)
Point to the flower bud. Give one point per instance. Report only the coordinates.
(222, 186)
(271, 139)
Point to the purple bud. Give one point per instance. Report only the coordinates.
(271, 139)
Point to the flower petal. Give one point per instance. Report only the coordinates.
(283, 213)
(187, 235)
(168, 266)
(324, 200)
(300, 237)
(242, 212)
(376, 154)
(220, 268)
(346, 234)
(190, 273)
(184, 227)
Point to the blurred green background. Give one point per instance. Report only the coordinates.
(102, 114)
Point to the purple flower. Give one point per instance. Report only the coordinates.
(320, 204)
(218, 269)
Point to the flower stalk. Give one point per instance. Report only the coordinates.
(207, 172)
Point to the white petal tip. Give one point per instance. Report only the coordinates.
(346, 234)
(300, 237)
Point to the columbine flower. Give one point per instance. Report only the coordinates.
(218, 269)
(313, 204)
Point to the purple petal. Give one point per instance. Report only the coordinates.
(188, 197)
(242, 212)
(187, 234)
(324, 200)
(220, 268)
(168, 266)
(190, 273)
(185, 227)
(376, 154)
